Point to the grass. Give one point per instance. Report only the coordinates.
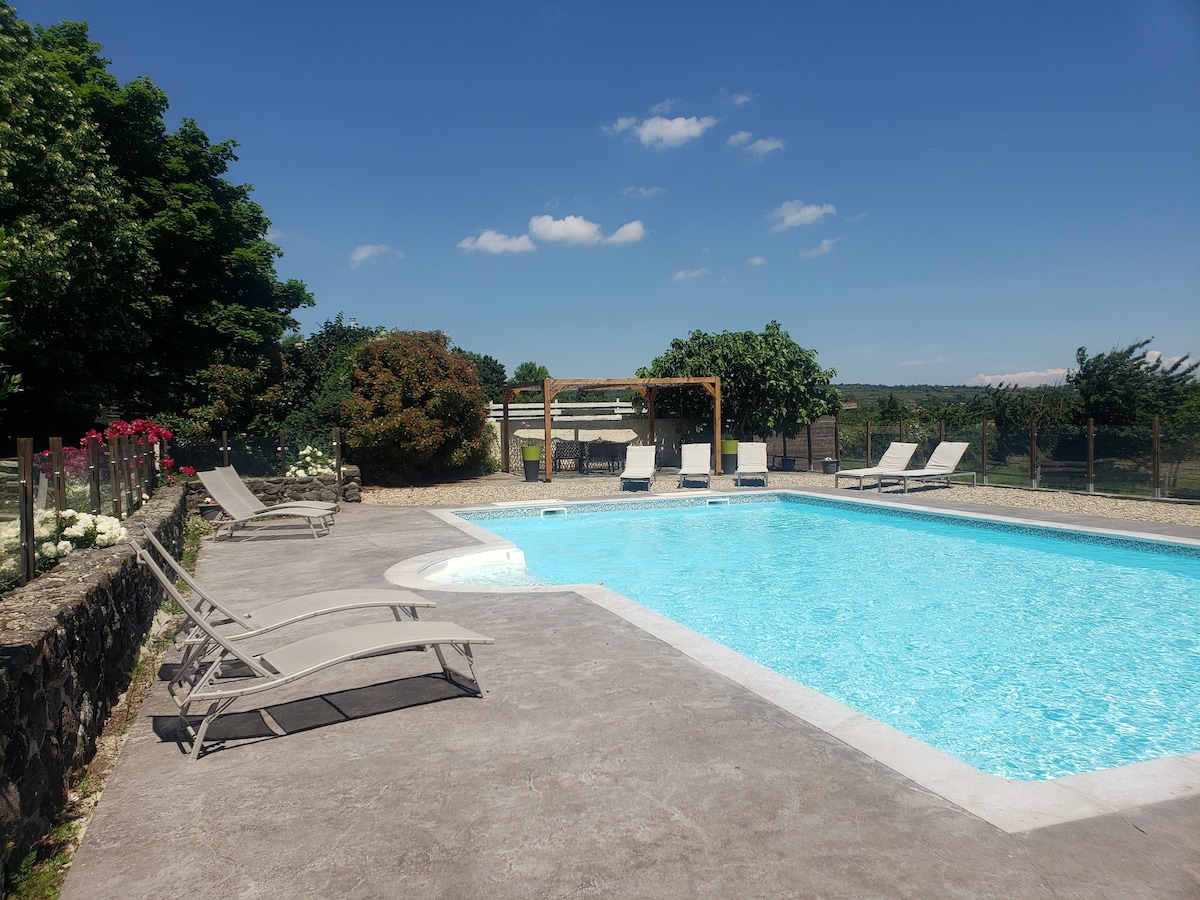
(42, 872)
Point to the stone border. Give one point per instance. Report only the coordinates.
(69, 641)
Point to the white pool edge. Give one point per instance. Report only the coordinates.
(1012, 806)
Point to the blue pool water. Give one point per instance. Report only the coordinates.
(1026, 656)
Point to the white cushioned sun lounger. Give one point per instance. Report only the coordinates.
(639, 465)
(696, 463)
(751, 462)
(941, 467)
(240, 511)
(894, 459)
(226, 674)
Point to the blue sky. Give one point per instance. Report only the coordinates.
(927, 192)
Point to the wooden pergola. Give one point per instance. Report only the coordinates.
(647, 387)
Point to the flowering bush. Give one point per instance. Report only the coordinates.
(54, 537)
(310, 462)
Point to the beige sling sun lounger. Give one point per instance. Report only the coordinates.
(639, 465)
(894, 459)
(294, 609)
(751, 462)
(229, 475)
(240, 512)
(220, 678)
(941, 467)
(696, 463)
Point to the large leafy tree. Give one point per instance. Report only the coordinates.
(1125, 387)
(317, 374)
(416, 409)
(141, 276)
(768, 382)
(492, 376)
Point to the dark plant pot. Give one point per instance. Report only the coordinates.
(829, 466)
(532, 469)
(787, 464)
(729, 457)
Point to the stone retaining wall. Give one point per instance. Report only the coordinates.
(68, 643)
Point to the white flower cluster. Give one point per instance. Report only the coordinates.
(55, 536)
(310, 462)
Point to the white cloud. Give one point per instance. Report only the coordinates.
(622, 124)
(629, 233)
(826, 246)
(578, 230)
(1153, 356)
(663, 108)
(494, 242)
(1023, 379)
(856, 218)
(739, 99)
(737, 140)
(567, 230)
(685, 274)
(791, 213)
(363, 252)
(757, 261)
(642, 191)
(661, 133)
(763, 146)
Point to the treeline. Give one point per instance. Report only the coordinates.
(138, 276)
(1120, 388)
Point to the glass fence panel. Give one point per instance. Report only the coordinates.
(1124, 461)
(10, 528)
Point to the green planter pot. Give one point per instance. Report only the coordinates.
(729, 457)
(531, 456)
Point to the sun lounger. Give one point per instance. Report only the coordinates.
(239, 512)
(294, 609)
(639, 465)
(941, 467)
(894, 459)
(229, 475)
(227, 673)
(751, 462)
(696, 463)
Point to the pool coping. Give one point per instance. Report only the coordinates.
(1010, 805)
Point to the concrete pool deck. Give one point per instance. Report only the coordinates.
(603, 762)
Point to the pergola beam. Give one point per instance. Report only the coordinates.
(647, 387)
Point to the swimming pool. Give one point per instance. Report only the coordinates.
(1027, 653)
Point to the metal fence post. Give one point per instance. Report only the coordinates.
(224, 448)
(25, 507)
(983, 456)
(941, 430)
(336, 437)
(868, 463)
(282, 448)
(1033, 466)
(1091, 456)
(1155, 461)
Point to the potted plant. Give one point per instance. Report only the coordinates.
(729, 456)
(531, 456)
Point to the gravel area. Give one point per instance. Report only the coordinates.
(506, 488)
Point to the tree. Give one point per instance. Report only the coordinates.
(528, 372)
(415, 410)
(317, 373)
(492, 376)
(768, 382)
(136, 266)
(1125, 388)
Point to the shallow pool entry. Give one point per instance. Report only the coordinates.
(1027, 653)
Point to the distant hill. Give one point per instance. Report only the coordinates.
(908, 394)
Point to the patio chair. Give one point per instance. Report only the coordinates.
(894, 459)
(228, 673)
(941, 467)
(696, 463)
(240, 512)
(639, 465)
(751, 462)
